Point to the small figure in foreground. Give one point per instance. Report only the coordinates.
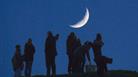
(17, 62)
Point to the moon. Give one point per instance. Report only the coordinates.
(83, 21)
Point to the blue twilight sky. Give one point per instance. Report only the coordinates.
(117, 20)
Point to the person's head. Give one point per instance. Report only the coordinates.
(98, 36)
(49, 34)
(57, 36)
(72, 34)
(87, 45)
(17, 49)
(29, 41)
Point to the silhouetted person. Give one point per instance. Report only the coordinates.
(101, 61)
(79, 57)
(17, 62)
(29, 51)
(71, 42)
(51, 53)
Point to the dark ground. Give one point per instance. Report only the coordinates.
(114, 73)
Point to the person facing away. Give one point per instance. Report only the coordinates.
(70, 45)
(51, 53)
(101, 61)
(29, 51)
(79, 57)
(17, 62)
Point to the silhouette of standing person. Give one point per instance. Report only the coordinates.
(17, 61)
(79, 57)
(29, 51)
(101, 61)
(70, 43)
(51, 53)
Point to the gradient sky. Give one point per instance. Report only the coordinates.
(117, 20)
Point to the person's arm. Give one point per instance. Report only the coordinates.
(33, 49)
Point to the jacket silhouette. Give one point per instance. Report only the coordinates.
(17, 62)
(70, 45)
(51, 53)
(29, 51)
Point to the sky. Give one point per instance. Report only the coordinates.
(116, 20)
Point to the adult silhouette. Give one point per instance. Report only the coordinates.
(101, 61)
(51, 53)
(79, 57)
(29, 51)
(70, 45)
(17, 62)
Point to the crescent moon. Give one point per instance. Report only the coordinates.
(83, 21)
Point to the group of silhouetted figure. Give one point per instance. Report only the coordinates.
(76, 52)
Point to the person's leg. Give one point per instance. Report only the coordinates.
(82, 65)
(48, 70)
(102, 69)
(105, 68)
(30, 68)
(99, 70)
(53, 67)
(20, 72)
(26, 69)
(48, 66)
(77, 67)
(70, 64)
(17, 73)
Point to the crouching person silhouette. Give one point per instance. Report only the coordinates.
(51, 53)
(101, 61)
(17, 62)
(79, 57)
(28, 57)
